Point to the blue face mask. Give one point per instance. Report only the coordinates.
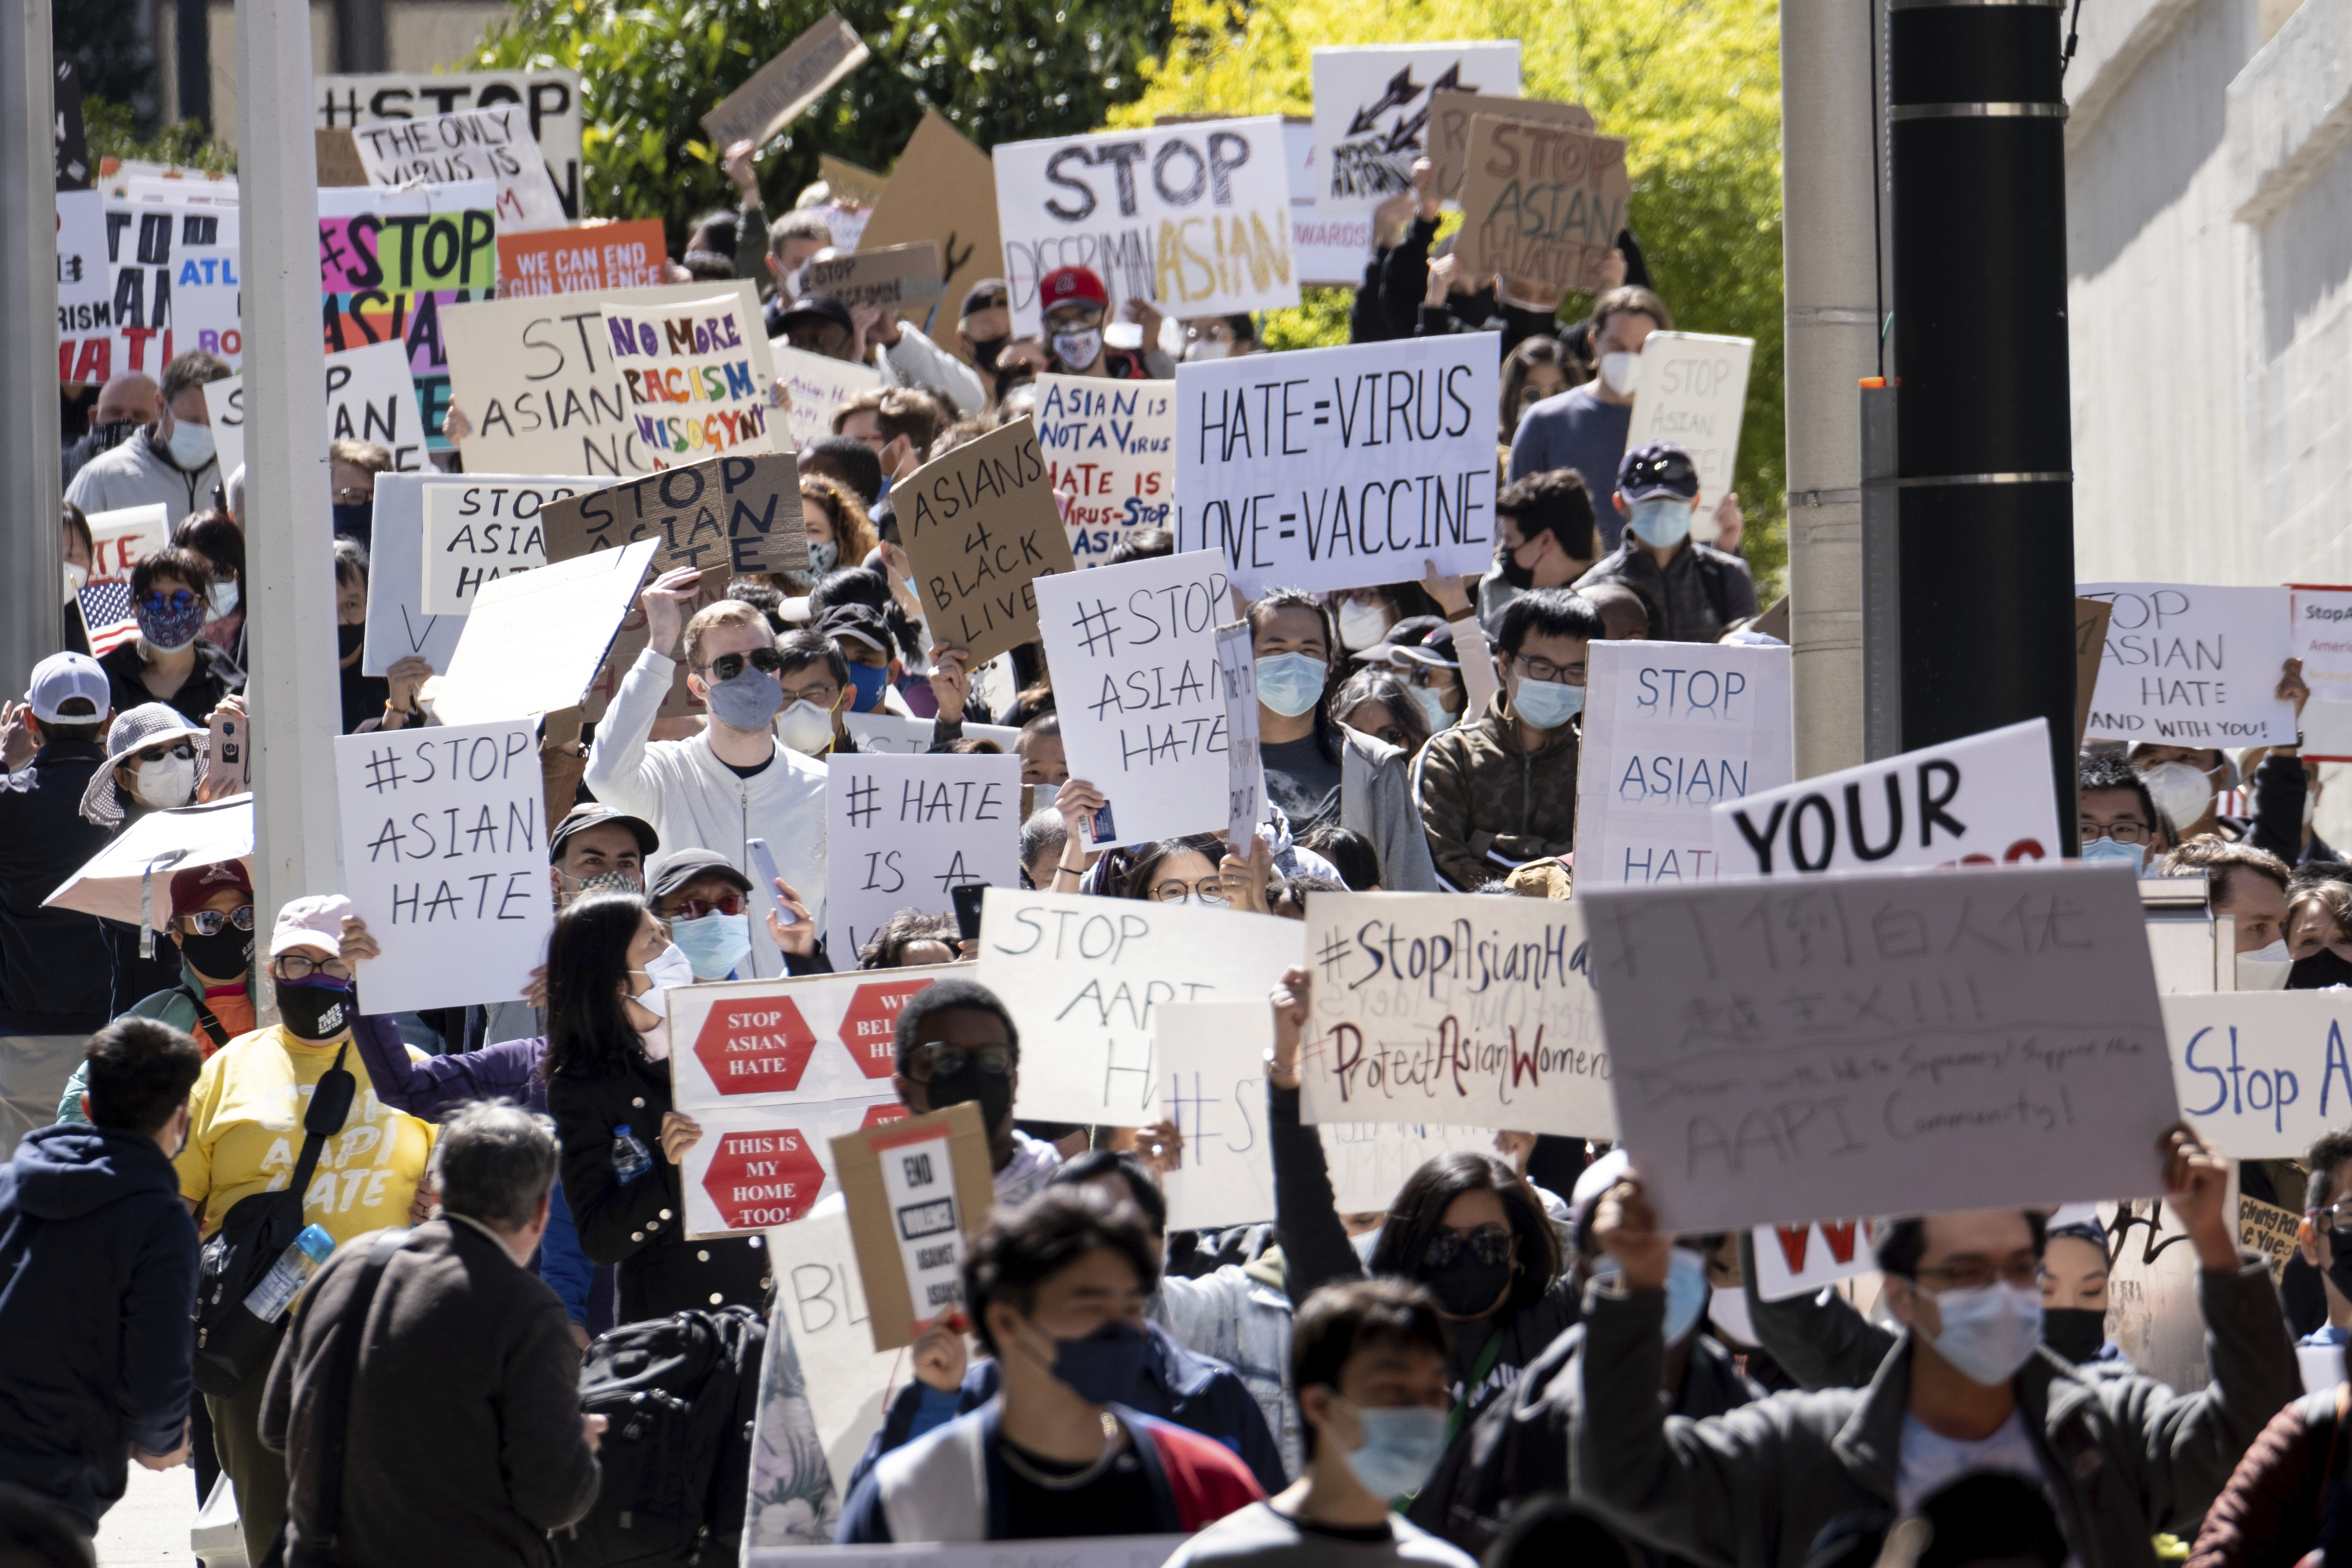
(1402, 1445)
(1547, 704)
(1104, 1365)
(2133, 855)
(714, 944)
(1433, 708)
(870, 683)
(1290, 683)
(1660, 521)
(1687, 1291)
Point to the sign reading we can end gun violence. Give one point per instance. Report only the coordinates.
(980, 528)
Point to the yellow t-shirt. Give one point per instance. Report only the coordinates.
(247, 1134)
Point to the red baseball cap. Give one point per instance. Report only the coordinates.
(197, 883)
(1065, 284)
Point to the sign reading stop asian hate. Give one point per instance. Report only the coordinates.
(393, 264)
(980, 530)
(788, 1040)
(1543, 201)
(2190, 664)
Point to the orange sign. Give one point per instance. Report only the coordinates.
(585, 259)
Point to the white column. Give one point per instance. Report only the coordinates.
(32, 589)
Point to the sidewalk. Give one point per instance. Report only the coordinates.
(150, 1526)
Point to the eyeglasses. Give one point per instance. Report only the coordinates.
(1208, 890)
(2020, 1272)
(157, 601)
(184, 750)
(2334, 1214)
(2132, 833)
(208, 922)
(1489, 1245)
(1545, 669)
(695, 909)
(937, 1058)
(352, 495)
(1669, 469)
(727, 666)
(295, 966)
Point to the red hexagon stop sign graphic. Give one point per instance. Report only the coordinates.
(882, 1111)
(755, 1045)
(871, 1025)
(763, 1178)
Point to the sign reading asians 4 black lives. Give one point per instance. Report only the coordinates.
(982, 528)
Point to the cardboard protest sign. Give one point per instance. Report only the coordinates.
(1424, 1012)
(371, 397)
(339, 158)
(2262, 1074)
(493, 144)
(1692, 390)
(1543, 202)
(1373, 107)
(1083, 976)
(398, 625)
(887, 278)
(1969, 802)
(1340, 467)
(1449, 129)
(898, 735)
(1194, 218)
(916, 1189)
(850, 182)
(393, 264)
(1110, 445)
(740, 512)
(698, 352)
(2190, 664)
(1671, 729)
(535, 639)
(1329, 249)
(943, 189)
(129, 879)
(156, 276)
(902, 832)
(1985, 1039)
(760, 1166)
(2268, 1230)
(549, 99)
(1134, 653)
(981, 530)
(475, 534)
(1800, 1260)
(817, 385)
(1244, 767)
(591, 259)
(124, 537)
(842, 1383)
(537, 379)
(788, 1040)
(2091, 618)
(445, 857)
(781, 91)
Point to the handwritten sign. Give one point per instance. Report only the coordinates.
(849, 182)
(2262, 1074)
(1987, 1040)
(818, 385)
(1800, 1260)
(445, 850)
(1134, 652)
(2190, 664)
(781, 90)
(1449, 129)
(833, 1381)
(535, 639)
(398, 625)
(1373, 108)
(148, 270)
(887, 278)
(916, 1189)
(494, 145)
(1194, 218)
(788, 1040)
(898, 735)
(1244, 767)
(1671, 729)
(742, 511)
(2268, 1230)
(370, 397)
(1692, 390)
(550, 98)
(1543, 202)
(124, 537)
(392, 264)
(476, 533)
(942, 189)
(1083, 976)
(2322, 640)
(2091, 618)
(759, 1166)
(1339, 467)
(981, 531)
(1110, 447)
(1973, 802)
(589, 258)
(697, 353)
(902, 833)
(1330, 249)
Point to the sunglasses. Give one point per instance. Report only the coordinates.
(184, 750)
(1674, 468)
(1489, 1244)
(157, 601)
(297, 966)
(938, 1059)
(208, 922)
(695, 909)
(727, 666)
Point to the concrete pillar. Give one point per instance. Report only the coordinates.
(32, 589)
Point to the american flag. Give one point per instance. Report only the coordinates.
(106, 612)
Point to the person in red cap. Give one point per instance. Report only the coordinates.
(1075, 303)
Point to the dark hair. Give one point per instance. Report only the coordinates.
(2332, 1149)
(856, 460)
(801, 648)
(2099, 774)
(901, 932)
(1549, 613)
(173, 561)
(587, 962)
(215, 536)
(975, 746)
(1141, 544)
(1327, 740)
(855, 584)
(1407, 599)
(1135, 883)
(764, 597)
(1517, 367)
(1547, 1530)
(1554, 502)
(1023, 1248)
(77, 523)
(1337, 1320)
(193, 368)
(493, 1161)
(36, 1531)
(939, 997)
(141, 1071)
(1630, 299)
(1387, 689)
(1286, 896)
(1901, 1242)
(1350, 853)
(1097, 1163)
(1991, 1516)
(1417, 1211)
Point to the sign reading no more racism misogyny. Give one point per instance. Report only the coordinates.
(2189, 664)
(980, 530)
(1373, 106)
(698, 353)
(1340, 467)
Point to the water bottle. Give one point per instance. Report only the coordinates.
(292, 1270)
(630, 1159)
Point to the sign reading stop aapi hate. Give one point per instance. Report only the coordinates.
(810, 1038)
(981, 528)
(2191, 664)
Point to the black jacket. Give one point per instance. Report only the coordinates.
(641, 1228)
(98, 1270)
(54, 969)
(213, 677)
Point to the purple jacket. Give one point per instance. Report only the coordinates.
(431, 1088)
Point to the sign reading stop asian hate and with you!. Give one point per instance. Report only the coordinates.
(980, 530)
(2190, 664)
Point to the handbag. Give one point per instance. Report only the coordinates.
(231, 1343)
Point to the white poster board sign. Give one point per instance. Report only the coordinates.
(905, 737)
(535, 641)
(1984, 1038)
(817, 385)
(1800, 1260)
(1244, 763)
(1371, 111)
(2322, 638)
(84, 301)
(901, 833)
(1194, 218)
(445, 855)
(549, 98)
(1330, 249)
(1110, 447)
(1083, 977)
(698, 353)
(370, 397)
(398, 625)
(1983, 800)
(168, 265)
(494, 143)
(1340, 467)
(756, 1167)
(110, 882)
(2190, 664)
(1692, 390)
(1134, 653)
(1671, 729)
(478, 532)
(2262, 1074)
(847, 1383)
(119, 540)
(789, 1039)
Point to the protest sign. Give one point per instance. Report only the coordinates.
(902, 832)
(1986, 1039)
(1340, 467)
(847, 1382)
(398, 625)
(759, 1166)
(794, 1500)
(2262, 1074)
(538, 378)
(2268, 1230)
(120, 538)
(85, 281)
(1073, 1551)
(592, 258)
(781, 91)
(1373, 105)
(887, 278)
(339, 158)
(70, 163)
(493, 144)
(789, 1040)
(1671, 729)
(370, 397)
(159, 276)
(817, 385)
(1244, 768)
(2322, 638)
(740, 512)
(550, 99)
(849, 182)
(2190, 664)
(535, 641)
(1800, 1260)
(942, 189)
(1969, 802)
(1427, 1012)
(392, 264)
(698, 352)
(1542, 202)
(980, 532)
(1082, 977)
(898, 735)
(130, 878)
(1692, 390)
(475, 534)
(1449, 129)
(916, 1189)
(1110, 447)
(1134, 653)
(445, 857)
(1329, 249)
(1194, 218)
(2091, 618)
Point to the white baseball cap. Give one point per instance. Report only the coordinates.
(314, 920)
(62, 677)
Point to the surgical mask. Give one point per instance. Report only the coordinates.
(171, 630)
(654, 1042)
(1365, 1243)
(1402, 1445)
(2074, 1332)
(78, 578)
(1547, 704)
(222, 955)
(666, 969)
(190, 445)
(823, 557)
(1201, 349)
(1989, 1331)
(806, 728)
(2181, 792)
(1660, 521)
(1078, 349)
(1432, 707)
(747, 702)
(1727, 1310)
(868, 682)
(1618, 370)
(2265, 968)
(222, 598)
(1361, 624)
(1103, 1366)
(714, 943)
(2104, 848)
(166, 784)
(1687, 1291)
(1290, 683)
(317, 1008)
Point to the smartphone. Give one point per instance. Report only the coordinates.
(232, 752)
(1099, 830)
(967, 908)
(764, 865)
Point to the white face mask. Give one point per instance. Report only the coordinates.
(165, 784)
(1361, 624)
(1620, 371)
(223, 599)
(1989, 1331)
(190, 445)
(2182, 792)
(2265, 968)
(806, 728)
(1078, 349)
(1201, 349)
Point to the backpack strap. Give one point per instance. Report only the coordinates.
(204, 1016)
(314, 1142)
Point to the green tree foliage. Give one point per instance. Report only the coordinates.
(111, 131)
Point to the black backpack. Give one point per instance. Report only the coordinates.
(680, 1394)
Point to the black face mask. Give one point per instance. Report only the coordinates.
(2339, 1241)
(356, 521)
(2074, 1332)
(347, 640)
(985, 349)
(2321, 970)
(106, 437)
(314, 1012)
(1520, 577)
(991, 1092)
(221, 957)
(1469, 1289)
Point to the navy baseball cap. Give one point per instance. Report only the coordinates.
(1659, 468)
